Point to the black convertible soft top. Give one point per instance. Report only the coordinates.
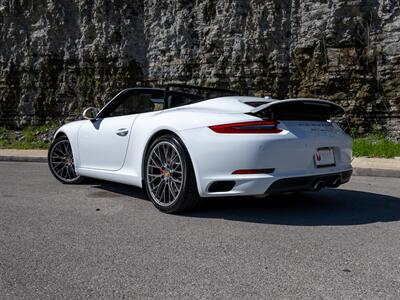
(183, 94)
(173, 95)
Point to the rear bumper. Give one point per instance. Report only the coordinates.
(309, 183)
(243, 185)
(215, 157)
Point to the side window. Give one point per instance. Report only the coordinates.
(138, 103)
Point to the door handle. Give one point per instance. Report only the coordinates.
(122, 132)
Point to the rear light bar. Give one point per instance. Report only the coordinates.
(266, 126)
(253, 171)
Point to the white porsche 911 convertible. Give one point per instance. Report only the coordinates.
(188, 142)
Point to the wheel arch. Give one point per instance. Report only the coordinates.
(157, 135)
(66, 132)
(60, 134)
(58, 137)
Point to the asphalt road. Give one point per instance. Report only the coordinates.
(104, 240)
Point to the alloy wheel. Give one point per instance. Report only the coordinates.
(61, 161)
(165, 173)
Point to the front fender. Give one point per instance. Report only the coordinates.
(71, 131)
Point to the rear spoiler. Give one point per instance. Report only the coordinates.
(298, 109)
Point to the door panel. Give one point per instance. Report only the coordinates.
(103, 143)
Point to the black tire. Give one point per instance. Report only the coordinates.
(187, 197)
(56, 161)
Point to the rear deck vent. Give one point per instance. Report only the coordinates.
(221, 186)
(256, 103)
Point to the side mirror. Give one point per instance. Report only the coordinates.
(90, 113)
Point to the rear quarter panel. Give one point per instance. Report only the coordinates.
(176, 121)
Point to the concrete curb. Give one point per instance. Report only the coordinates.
(357, 171)
(380, 167)
(40, 159)
(376, 172)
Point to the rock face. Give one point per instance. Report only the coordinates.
(58, 56)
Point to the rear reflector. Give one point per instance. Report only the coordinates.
(254, 171)
(266, 126)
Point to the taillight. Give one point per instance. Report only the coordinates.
(267, 126)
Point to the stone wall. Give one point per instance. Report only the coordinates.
(58, 56)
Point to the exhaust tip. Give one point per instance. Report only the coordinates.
(336, 182)
(319, 185)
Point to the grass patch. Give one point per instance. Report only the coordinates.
(31, 137)
(375, 146)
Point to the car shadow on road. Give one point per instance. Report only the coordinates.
(110, 189)
(332, 207)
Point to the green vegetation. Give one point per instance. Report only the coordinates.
(375, 145)
(39, 137)
(31, 137)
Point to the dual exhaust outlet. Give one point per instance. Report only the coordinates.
(327, 183)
